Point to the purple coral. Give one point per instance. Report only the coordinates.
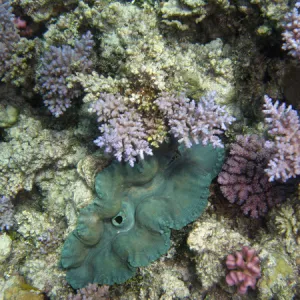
(245, 269)
(243, 179)
(57, 65)
(194, 122)
(6, 213)
(291, 35)
(8, 35)
(124, 133)
(91, 292)
(284, 127)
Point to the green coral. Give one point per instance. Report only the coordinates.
(277, 269)
(128, 224)
(19, 65)
(43, 10)
(27, 149)
(64, 31)
(8, 115)
(178, 13)
(133, 47)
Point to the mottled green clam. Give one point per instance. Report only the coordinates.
(129, 224)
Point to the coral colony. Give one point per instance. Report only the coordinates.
(125, 133)
(284, 129)
(243, 179)
(244, 269)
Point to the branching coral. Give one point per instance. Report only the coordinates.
(243, 179)
(127, 133)
(245, 269)
(284, 128)
(57, 66)
(291, 35)
(124, 133)
(195, 122)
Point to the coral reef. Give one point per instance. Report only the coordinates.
(139, 64)
(243, 179)
(284, 127)
(244, 269)
(141, 204)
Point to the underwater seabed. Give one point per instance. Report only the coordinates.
(139, 146)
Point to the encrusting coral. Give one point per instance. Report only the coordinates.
(129, 223)
(26, 149)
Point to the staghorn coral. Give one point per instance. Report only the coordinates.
(6, 213)
(244, 269)
(243, 179)
(194, 122)
(291, 35)
(284, 127)
(57, 65)
(129, 223)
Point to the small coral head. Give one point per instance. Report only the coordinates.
(245, 269)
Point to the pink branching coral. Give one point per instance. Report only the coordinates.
(91, 292)
(244, 269)
(284, 127)
(243, 179)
